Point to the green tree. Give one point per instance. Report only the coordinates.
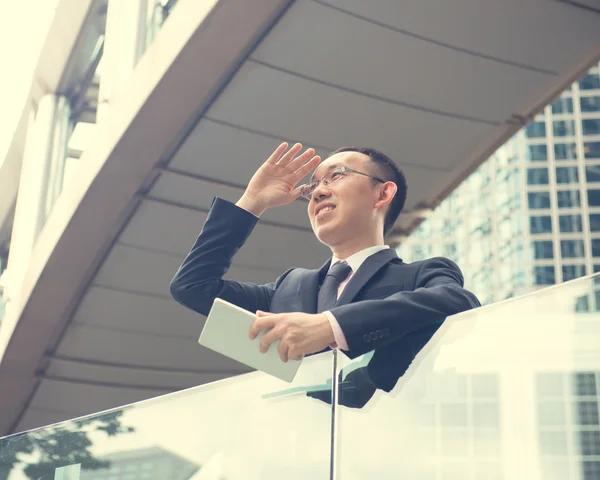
(40, 452)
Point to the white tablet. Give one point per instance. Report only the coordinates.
(226, 331)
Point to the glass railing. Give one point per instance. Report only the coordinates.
(248, 427)
(507, 391)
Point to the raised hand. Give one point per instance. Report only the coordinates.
(275, 182)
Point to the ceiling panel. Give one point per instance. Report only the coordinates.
(136, 349)
(544, 34)
(36, 417)
(285, 105)
(107, 373)
(396, 66)
(229, 154)
(167, 228)
(130, 312)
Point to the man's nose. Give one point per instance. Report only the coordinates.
(322, 191)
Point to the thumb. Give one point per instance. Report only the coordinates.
(296, 192)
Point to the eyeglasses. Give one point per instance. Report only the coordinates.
(332, 177)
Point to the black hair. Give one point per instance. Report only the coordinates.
(390, 172)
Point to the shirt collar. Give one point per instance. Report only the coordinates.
(357, 259)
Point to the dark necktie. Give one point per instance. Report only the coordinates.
(329, 290)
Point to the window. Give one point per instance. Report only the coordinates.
(565, 151)
(595, 247)
(543, 224)
(589, 81)
(542, 249)
(536, 130)
(538, 199)
(594, 198)
(537, 176)
(538, 153)
(591, 149)
(590, 126)
(563, 105)
(570, 223)
(571, 248)
(592, 174)
(595, 222)
(568, 199)
(590, 104)
(571, 272)
(544, 275)
(563, 128)
(567, 175)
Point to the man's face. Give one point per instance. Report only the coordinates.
(345, 208)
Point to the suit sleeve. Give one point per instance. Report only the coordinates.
(199, 279)
(439, 293)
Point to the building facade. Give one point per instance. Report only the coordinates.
(530, 215)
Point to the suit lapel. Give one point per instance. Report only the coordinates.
(309, 287)
(365, 272)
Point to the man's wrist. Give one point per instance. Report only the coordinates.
(251, 205)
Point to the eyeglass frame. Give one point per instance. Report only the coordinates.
(312, 186)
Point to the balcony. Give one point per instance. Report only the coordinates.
(507, 391)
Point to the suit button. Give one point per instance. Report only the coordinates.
(366, 338)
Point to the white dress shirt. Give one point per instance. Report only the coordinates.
(354, 261)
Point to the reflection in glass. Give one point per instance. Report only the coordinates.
(537, 176)
(563, 128)
(590, 126)
(592, 173)
(590, 104)
(544, 275)
(536, 130)
(591, 149)
(567, 175)
(565, 151)
(538, 153)
(570, 223)
(589, 81)
(568, 199)
(571, 248)
(540, 224)
(542, 249)
(571, 272)
(593, 198)
(562, 105)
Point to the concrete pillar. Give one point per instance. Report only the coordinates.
(123, 45)
(30, 209)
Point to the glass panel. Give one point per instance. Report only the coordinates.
(570, 223)
(538, 153)
(563, 128)
(541, 224)
(595, 222)
(543, 275)
(538, 199)
(570, 272)
(563, 105)
(536, 130)
(542, 249)
(568, 199)
(590, 104)
(590, 126)
(158, 12)
(592, 174)
(565, 151)
(567, 175)
(480, 400)
(537, 176)
(591, 149)
(571, 248)
(589, 81)
(594, 198)
(249, 427)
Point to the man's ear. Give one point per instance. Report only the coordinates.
(386, 194)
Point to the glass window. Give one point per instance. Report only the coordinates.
(595, 222)
(590, 104)
(538, 199)
(568, 199)
(542, 249)
(537, 176)
(565, 151)
(563, 105)
(571, 272)
(538, 152)
(590, 126)
(592, 174)
(591, 149)
(543, 224)
(571, 248)
(563, 128)
(567, 175)
(544, 275)
(595, 247)
(536, 130)
(594, 198)
(589, 81)
(570, 223)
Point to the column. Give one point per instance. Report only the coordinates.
(123, 45)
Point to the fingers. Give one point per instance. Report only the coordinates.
(289, 156)
(282, 349)
(305, 169)
(300, 160)
(277, 153)
(266, 322)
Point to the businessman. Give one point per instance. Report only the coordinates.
(364, 298)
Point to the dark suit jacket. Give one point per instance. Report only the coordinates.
(387, 306)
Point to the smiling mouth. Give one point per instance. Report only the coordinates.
(324, 211)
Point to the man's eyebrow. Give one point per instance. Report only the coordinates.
(329, 169)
